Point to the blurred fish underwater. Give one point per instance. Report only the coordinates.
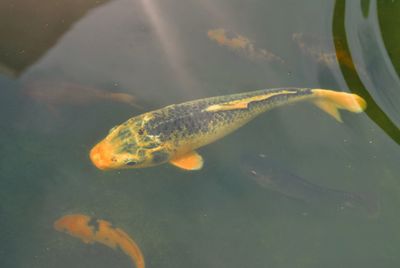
(53, 94)
(242, 46)
(322, 51)
(272, 176)
(91, 230)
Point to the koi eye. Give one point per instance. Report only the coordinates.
(131, 163)
(140, 131)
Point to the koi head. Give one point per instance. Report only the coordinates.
(129, 146)
(76, 225)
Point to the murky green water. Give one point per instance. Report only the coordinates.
(159, 52)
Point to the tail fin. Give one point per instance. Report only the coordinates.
(330, 101)
(368, 201)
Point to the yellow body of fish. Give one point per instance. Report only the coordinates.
(173, 133)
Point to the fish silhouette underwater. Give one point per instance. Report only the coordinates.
(173, 133)
(91, 230)
(54, 94)
(272, 176)
(242, 45)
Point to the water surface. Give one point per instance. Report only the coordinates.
(160, 53)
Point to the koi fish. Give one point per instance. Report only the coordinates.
(241, 45)
(173, 133)
(90, 231)
(315, 48)
(270, 175)
(54, 94)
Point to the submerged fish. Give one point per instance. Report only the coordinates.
(318, 49)
(241, 45)
(90, 231)
(54, 94)
(173, 133)
(269, 175)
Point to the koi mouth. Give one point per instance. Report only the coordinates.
(100, 155)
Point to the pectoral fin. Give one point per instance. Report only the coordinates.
(189, 161)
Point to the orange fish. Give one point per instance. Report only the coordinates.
(54, 94)
(91, 230)
(316, 48)
(241, 45)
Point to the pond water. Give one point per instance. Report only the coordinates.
(71, 70)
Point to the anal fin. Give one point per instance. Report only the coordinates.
(188, 161)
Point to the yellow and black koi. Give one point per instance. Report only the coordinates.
(173, 133)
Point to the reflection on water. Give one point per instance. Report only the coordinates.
(96, 64)
(29, 29)
(168, 38)
(387, 15)
(377, 114)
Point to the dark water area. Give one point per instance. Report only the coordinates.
(99, 63)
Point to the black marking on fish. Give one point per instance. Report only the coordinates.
(141, 153)
(159, 157)
(191, 118)
(123, 133)
(94, 223)
(150, 145)
(128, 147)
